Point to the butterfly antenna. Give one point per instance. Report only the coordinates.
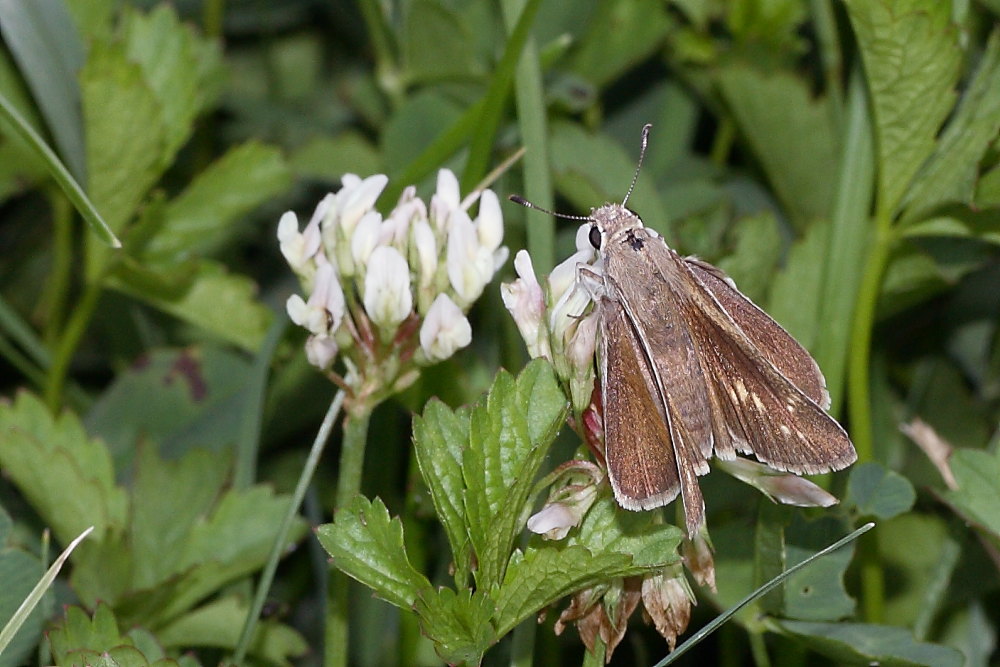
(517, 199)
(642, 155)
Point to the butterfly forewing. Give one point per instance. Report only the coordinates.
(769, 337)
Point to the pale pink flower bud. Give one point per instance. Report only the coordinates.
(445, 329)
(526, 303)
(570, 497)
(784, 487)
(321, 351)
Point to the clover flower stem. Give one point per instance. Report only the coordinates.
(352, 458)
(305, 477)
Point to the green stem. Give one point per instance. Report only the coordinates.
(58, 284)
(280, 541)
(523, 643)
(723, 142)
(352, 458)
(385, 59)
(595, 659)
(63, 355)
(859, 401)
(759, 650)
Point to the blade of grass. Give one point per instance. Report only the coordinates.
(35, 596)
(59, 172)
(529, 97)
(717, 622)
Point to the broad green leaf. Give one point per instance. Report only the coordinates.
(795, 297)
(328, 158)
(874, 490)
(758, 249)
(205, 213)
(817, 592)
(919, 585)
(367, 545)
(217, 625)
(912, 59)
(220, 302)
(885, 645)
(951, 173)
(790, 132)
(510, 432)
(182, 70)
(591, 169)
(959, 222)
(608, 529)
(459, 624)
(977, 498)
(168, 499)
(125, 132)
(436, 44)
(199, 393)
(75, 488)
(621, 34)
(439, 438)
(42, 39)
(540, 577)
(19, 572)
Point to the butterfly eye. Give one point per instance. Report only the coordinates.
(595, 237)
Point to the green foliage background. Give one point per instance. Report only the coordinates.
(840, 160)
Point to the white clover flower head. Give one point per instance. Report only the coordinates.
(445, 329)
(387, 297)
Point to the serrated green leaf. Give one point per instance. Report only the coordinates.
(877, 491)
(542, 576)
(125, 132)
(758, 247)
(912, 59)
(79, 632)
(220, 302)
(440, 437)
(197, 220)
(367, 545)
(503, 458)
(977, 498)
(217, 625)
(791, 133)
(168, 499)
(76, 486)
(458, 624)
(607, 529)
(857, 643)
(183, 70)
(951, 173)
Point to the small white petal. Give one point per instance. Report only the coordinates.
(447, 188)
(357, 200)
(297, 310)
(328, 297)
(365, 237)
(445, 329)
(387, 296)
(321, 351)
(463, 248)
(489, 224)
(553, 521)
(425, 244)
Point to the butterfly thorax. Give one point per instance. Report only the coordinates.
(614, 218)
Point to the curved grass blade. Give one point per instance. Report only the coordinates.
(717, 622)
